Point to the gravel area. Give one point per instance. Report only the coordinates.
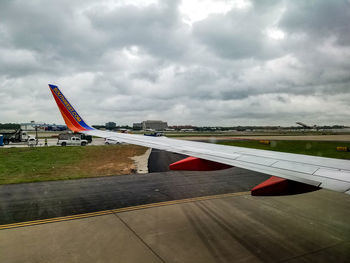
(141, 162)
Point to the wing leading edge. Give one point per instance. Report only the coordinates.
(333, 174)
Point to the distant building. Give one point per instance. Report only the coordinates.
(137, 126)
(111, 125)
(154, 125)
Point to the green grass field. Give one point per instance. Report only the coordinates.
(317, 148)
(22, 165)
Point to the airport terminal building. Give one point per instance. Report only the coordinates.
(151, 125)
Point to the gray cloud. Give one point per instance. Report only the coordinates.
(129, 62)
(318, 19)
(240, 34)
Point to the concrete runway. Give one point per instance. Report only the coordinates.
(33, 201)
(236, 227)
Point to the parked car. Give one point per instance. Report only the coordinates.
(110, 141)
(31, 142)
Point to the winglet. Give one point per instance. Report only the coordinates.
(71, 117)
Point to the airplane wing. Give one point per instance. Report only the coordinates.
(329, 173)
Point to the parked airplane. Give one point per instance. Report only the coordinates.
(321, 172)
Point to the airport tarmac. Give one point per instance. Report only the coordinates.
(224, 224)
(312, 227)
(42, 200)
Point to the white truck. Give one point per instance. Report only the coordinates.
(76, 141)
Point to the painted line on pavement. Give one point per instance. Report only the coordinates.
(118, 210)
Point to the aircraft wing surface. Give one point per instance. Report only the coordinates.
(333, 174)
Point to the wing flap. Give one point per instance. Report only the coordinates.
(333, 174)
(257, 160)
(294, 166)
(336, 186)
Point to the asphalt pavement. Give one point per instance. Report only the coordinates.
(33, 201)
(233, 227)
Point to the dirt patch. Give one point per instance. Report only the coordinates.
(111, 160)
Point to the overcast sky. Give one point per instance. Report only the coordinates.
(186, 62)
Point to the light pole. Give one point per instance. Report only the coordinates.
(36, 135)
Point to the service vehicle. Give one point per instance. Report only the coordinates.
(154, 134)
(73, 141)
(14, 136)
(68, 136)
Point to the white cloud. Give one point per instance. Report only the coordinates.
(196, 10)
(275, 33)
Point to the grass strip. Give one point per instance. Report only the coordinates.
(316, 148)
(23, 165)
